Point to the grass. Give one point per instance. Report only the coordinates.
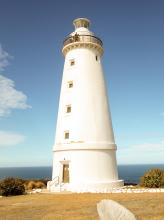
(145, 206)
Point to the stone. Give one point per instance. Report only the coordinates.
(111, 210)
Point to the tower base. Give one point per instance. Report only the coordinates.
(98, 187)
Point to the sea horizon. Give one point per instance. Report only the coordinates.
(130, 173)
(52, 165)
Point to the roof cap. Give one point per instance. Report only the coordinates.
(81, 22)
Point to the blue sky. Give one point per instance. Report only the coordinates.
(31, 65)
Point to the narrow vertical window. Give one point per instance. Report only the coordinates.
(72, 62)
(70, 84)
(96, 58)
(68, 108)
(66, 135)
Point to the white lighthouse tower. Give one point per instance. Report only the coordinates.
(85, 150)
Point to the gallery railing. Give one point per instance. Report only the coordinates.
(83, 39)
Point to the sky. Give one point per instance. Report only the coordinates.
(31, 66)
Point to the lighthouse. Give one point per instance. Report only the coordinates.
(84, 153)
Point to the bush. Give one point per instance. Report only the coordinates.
(39, 185)
(34, 184)
(30, 185)
(11, 187)
(153, 178)
(44, 181)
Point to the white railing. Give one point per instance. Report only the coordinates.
(54, 182)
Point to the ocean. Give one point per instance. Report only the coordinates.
(129, 173)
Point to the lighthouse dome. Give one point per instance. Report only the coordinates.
(82, 37)
(81, 27)
(82, 31)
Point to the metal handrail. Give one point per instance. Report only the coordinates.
(55, 181)
(82, 38)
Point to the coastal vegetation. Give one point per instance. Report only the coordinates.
(153, 178)
(11, 187)
(15, 186)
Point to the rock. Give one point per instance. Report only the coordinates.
(111, 210)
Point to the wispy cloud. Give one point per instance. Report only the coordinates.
(10, 138)
(162, 114)
(10, 97)
(142, 153)
(148, 147)
(4, 57)
(145, 147)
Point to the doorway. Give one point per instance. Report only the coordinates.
(65, 173)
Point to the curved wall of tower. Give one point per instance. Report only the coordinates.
(89, 121)
(84, 150)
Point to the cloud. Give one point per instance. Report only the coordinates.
(10, 138)
(147, 147)
(162, 114)
(10, 98)
(142, 153)
(4, 57)
(152, 148)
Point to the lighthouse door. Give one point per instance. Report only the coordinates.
(65, 173)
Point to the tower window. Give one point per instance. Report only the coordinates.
(72, 62)
(96, 58)
(70, 84)
(68, 108)
(66, 135)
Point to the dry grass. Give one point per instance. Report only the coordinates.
(146, 206)
(34, 184)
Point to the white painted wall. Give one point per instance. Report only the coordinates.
(90, 149)
(90, 121)
(87, 165)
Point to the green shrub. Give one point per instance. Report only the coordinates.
(11, 187)
(153, 178)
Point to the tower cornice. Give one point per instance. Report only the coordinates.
(82, 41)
